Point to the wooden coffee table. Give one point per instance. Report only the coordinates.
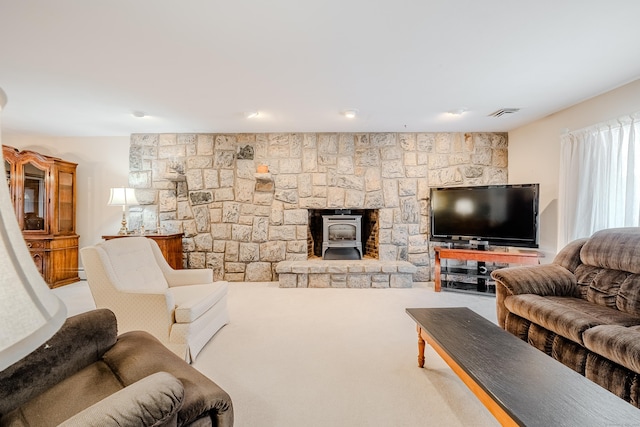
(519, 384)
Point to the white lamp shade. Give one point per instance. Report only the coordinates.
(30, 313)
(122, 196)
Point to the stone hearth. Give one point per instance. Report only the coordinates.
(365, 273)
(244, 224)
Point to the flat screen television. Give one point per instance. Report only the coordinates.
(501, 215)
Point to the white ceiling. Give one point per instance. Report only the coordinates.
(80, 68)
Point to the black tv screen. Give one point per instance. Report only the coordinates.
(502, 215)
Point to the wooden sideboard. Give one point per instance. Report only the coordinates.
(170, 245)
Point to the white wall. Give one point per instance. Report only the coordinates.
(103, 162)
(534, 150)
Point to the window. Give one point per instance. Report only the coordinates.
(599, 179)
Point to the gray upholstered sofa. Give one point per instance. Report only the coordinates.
(583, 309)
(86, 375)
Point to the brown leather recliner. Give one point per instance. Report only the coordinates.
(87, 375)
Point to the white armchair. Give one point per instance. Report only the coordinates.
(182, 308)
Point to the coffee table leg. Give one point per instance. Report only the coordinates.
(420, 347)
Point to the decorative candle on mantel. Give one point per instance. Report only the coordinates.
(263, 169)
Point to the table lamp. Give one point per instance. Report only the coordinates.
(30, 313)
(122, 196)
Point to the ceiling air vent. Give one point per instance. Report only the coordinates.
(501, 112)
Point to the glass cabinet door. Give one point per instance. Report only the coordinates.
(34, 198)
(65, 202)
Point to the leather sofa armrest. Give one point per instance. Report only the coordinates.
(203, 397)
(81, 341)
(544, 280)
(151, 401)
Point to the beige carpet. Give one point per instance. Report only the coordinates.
(332, 357)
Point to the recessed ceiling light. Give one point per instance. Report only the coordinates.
(138, 114)
(457, 111)
(350, 114)
(251, 114)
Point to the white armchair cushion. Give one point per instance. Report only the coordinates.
(134, 265)
(193, 301)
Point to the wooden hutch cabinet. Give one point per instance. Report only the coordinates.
(43, 191)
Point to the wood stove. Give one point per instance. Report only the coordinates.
(341, 231)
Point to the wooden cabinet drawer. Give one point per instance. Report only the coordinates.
(36, 244)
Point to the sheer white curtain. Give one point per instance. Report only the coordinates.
(599, 179)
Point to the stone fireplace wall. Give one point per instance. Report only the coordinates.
(243, 223)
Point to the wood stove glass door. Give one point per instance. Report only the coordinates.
(339, 232)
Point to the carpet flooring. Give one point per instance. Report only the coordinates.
(331, 357)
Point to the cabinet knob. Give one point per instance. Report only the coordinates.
(28, 244)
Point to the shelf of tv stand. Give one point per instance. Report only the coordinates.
(468, 271)
(510, 256)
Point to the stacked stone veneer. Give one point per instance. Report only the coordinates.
(242, 224)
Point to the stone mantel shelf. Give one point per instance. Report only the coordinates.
(177, 178)
(264, 176)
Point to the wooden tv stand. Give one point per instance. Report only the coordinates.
(511, 256)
